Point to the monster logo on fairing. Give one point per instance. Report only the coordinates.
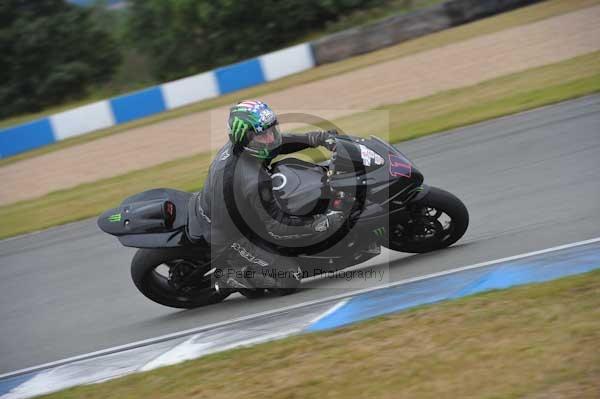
(114, 218)
(380, 232)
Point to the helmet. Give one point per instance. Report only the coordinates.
(253, 128)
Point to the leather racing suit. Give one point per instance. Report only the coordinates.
(237, 214)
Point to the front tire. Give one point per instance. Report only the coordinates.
(168, 288)
(427, 230)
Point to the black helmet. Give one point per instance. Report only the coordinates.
(253, 128)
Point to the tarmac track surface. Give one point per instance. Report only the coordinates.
(530, 181)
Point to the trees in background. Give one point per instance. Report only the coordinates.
(50, 51)
(183, 37)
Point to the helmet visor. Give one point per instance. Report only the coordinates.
(268, 139)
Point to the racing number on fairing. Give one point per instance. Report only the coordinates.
(399, 166)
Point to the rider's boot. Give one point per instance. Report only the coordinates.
(278, 281)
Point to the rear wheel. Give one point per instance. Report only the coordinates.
(174, 277)
(437, 221)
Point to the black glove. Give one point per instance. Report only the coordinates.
(325, 138)
(328, 221)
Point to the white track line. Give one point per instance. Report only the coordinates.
(289, 308)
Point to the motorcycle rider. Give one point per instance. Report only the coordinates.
(236, 212)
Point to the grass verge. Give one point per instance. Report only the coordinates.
(498, 23)
(498, 97)
(534, 341)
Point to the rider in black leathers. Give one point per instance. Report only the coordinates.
(236, 212)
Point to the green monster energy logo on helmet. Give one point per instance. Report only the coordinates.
(238, 129)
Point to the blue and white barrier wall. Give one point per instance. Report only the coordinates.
(153, 100)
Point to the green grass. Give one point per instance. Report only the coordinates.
(534, 341)
(498, 23)
(502, 96)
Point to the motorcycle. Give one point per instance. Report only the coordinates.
(379, 190)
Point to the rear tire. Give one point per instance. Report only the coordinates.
(403, 238)
(158, 288)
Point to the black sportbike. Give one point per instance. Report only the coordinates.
(379, 190)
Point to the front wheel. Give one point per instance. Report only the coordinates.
(437, 221)
(174, 277)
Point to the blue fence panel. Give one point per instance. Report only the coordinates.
(21, 138)
(138, 105)
(239, 76)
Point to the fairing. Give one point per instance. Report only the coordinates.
(151, 219)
